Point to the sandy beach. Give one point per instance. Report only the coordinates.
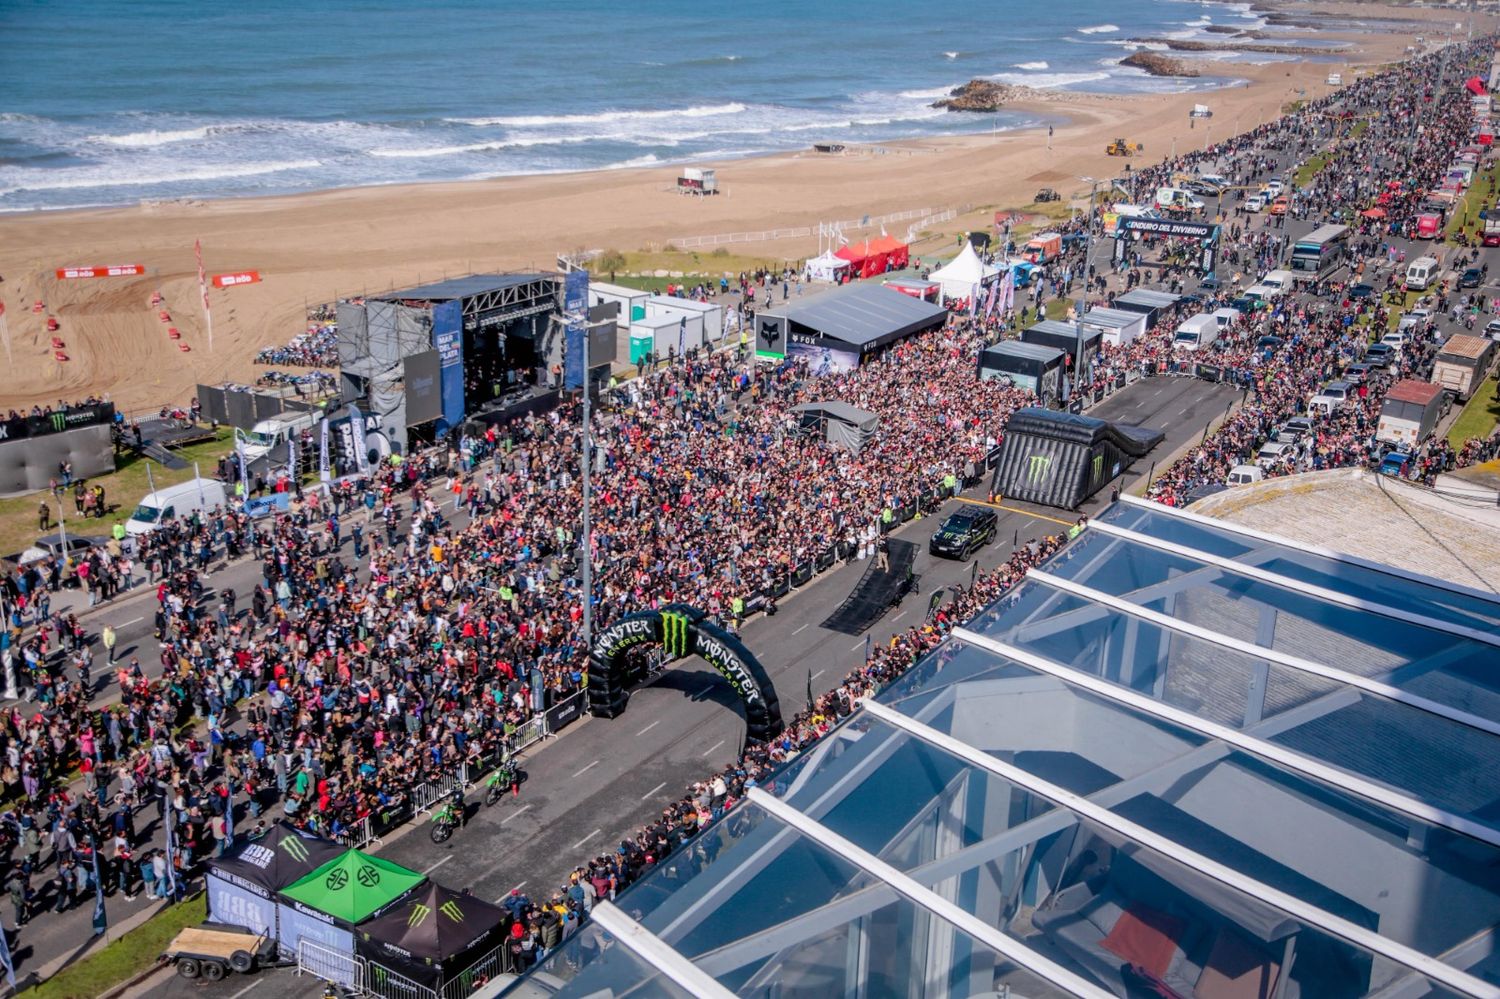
(313, 248)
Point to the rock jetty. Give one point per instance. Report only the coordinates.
(1156, 64)
(976, 95)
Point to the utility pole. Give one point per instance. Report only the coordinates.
(587, 540)
(1083, 286)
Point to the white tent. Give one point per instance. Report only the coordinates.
(826, 267)
(965, 274)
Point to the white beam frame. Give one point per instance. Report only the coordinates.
(925, 898)
(1328, 553)
(655, 952)
(1306, 765)
(1409, 957)
(1263, 652)
(1296, 585)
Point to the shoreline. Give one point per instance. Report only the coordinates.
(315, 246)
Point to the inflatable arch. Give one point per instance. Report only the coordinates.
(681, 631)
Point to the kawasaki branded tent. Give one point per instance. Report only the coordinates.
(242, 885)
(324, 906)
(433, 935)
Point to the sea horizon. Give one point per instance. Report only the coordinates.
(277, 102)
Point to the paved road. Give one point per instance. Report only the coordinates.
(604, 778)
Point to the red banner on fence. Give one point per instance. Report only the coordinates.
(231, 280)
(116, 270)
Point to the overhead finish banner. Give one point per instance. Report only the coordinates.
(448, 339)
(107, 270)
(575, 346)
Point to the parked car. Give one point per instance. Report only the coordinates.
(1470, 278)
(1330, 398)
(52, 545)
(1395, 463)
(1047, 194)
(1273, 451)
(1359, 373)
(1280, 206)
(1255, 203)
(964, 532)
(1379, 355)
(1492, 329)
(1210, 282)
(1360, 291)
(1275, 186)
(1295, 429)
(1244, 475)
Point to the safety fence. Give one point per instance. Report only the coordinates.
(362, 976)
(330, 965)
(798, 232)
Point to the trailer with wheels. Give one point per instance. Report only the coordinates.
(212, 952)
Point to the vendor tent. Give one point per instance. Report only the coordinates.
(835, 328)
(433, 935)
(838, 422)
(1475, 86)
(897, 253)
(964, 275)
(242, 885)
(827, 267)
(864, 260)
(354, 886)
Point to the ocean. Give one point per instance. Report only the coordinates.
(109, 103)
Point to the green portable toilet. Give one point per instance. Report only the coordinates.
(640, 345)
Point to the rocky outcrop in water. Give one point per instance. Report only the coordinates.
(976, 95)
(1188, 45)
(1156, 64)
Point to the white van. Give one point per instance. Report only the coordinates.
(1196, 333)
(268, 435)
(1421, 273)
(1245, 475)
(1280, 280)
(193, 496)
(1177, 199)
(1226, 317)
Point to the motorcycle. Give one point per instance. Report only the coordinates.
(500, 781)
(444, 821)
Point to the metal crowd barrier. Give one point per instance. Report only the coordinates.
(330, 965)
(476, 975)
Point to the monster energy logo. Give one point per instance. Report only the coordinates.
(419, 912)
(1038, 468)
(452, 911)
(294, 848)
(674, 633)
(59, 421)
(1098, 467)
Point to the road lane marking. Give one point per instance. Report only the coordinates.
(133, 620)
(803, 628)
(584, 840)
(649, 727)
(857, 645)
(653, 790)
(817, 674)
(898, 617)
(1011, 509)
(440, 863)
(245, 990)
(714, 747)
(502, 898)
(586, 769)
(514, 815)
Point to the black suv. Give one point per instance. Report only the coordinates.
(964, 533)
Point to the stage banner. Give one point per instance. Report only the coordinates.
(324, 472)
(361, 451)
(448, 338)
(575, 347)
(58, 421)
(239, 278)
(108, 270)
(423, 375)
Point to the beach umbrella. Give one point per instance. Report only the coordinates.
(1373, 213)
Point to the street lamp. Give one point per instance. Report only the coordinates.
(1083, 287)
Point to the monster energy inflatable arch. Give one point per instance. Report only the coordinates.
(1061, 459)
(681, 631)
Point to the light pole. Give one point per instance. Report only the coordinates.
(1083, 287)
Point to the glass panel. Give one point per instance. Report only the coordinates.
(1319, 570)
(593, 963)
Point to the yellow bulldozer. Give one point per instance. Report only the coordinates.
(1122, 148)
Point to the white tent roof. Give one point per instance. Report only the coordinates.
(964, 273)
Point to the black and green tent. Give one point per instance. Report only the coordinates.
(432, 935)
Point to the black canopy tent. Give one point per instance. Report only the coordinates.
(839, 422)
(242, 885)
(434, 936)
(849, 323)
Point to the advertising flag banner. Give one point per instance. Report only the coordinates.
(101, 919)
(5, 959)
(575, 343)
(104, 270)
(238, 278)
(357, 428)
(324, 472)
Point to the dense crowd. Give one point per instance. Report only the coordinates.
(315, 347)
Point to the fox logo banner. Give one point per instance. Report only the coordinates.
(1037, 468)
(681, 631)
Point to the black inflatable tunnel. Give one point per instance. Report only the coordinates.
(681, 631)
(1061, 459)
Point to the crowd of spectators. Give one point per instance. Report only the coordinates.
(315, 347)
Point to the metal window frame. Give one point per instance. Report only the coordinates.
(1313, 667)
(1401, 954)
(1328, 553)
(925, 898)
(656, 952)
(1305, 765)
(1296, 585)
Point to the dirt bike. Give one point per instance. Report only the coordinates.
(500, 781)
(444, 821)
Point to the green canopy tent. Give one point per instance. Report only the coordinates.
(324, 906)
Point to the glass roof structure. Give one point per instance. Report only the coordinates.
(1180, 759)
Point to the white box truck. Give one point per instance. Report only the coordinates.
(1196, 333)
(160, 505)
(1410, 412)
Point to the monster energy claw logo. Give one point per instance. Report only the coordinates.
(674, 633)
(452, 911)
(419, 912)
(1098, 467)
(59, 420)
(1037, 468)
(294, 848)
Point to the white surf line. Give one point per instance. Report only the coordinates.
(714, 747)
(514, 815)
(440, 863)
(649, 727)
(653, 790)
(587, 769)
(803, 628)
(584, 840)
